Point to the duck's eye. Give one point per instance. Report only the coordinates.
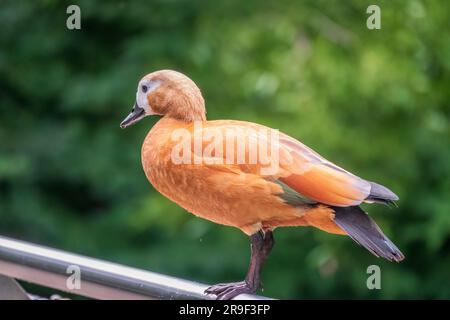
(144, 88)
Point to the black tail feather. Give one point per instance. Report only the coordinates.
(363, 230)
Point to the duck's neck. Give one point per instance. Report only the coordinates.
(170, 123)
(186, 117)
(187, 107)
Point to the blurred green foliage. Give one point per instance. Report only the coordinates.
(373, 101)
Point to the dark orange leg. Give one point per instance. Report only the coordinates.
(261, 245)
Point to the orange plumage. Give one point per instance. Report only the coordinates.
(230, 194)
(303, 189)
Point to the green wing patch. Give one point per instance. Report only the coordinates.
(292, 197)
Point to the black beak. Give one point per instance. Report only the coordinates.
(136, 114)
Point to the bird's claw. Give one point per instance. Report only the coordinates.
(227, 291)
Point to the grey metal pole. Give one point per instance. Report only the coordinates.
(98, 279)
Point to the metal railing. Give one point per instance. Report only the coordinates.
(98, 279)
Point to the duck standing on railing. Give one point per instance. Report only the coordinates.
(199, 165)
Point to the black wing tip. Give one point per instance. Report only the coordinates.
(381, 194)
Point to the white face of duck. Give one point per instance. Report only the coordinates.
(141, 107)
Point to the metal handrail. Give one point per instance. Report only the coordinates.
(98, 279)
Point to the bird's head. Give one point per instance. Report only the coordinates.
(167, 93)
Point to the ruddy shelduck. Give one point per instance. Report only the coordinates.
(212, 178)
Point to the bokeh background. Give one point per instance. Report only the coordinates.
(373, 101)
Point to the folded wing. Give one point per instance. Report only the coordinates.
(322, 180)
(300, 168)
